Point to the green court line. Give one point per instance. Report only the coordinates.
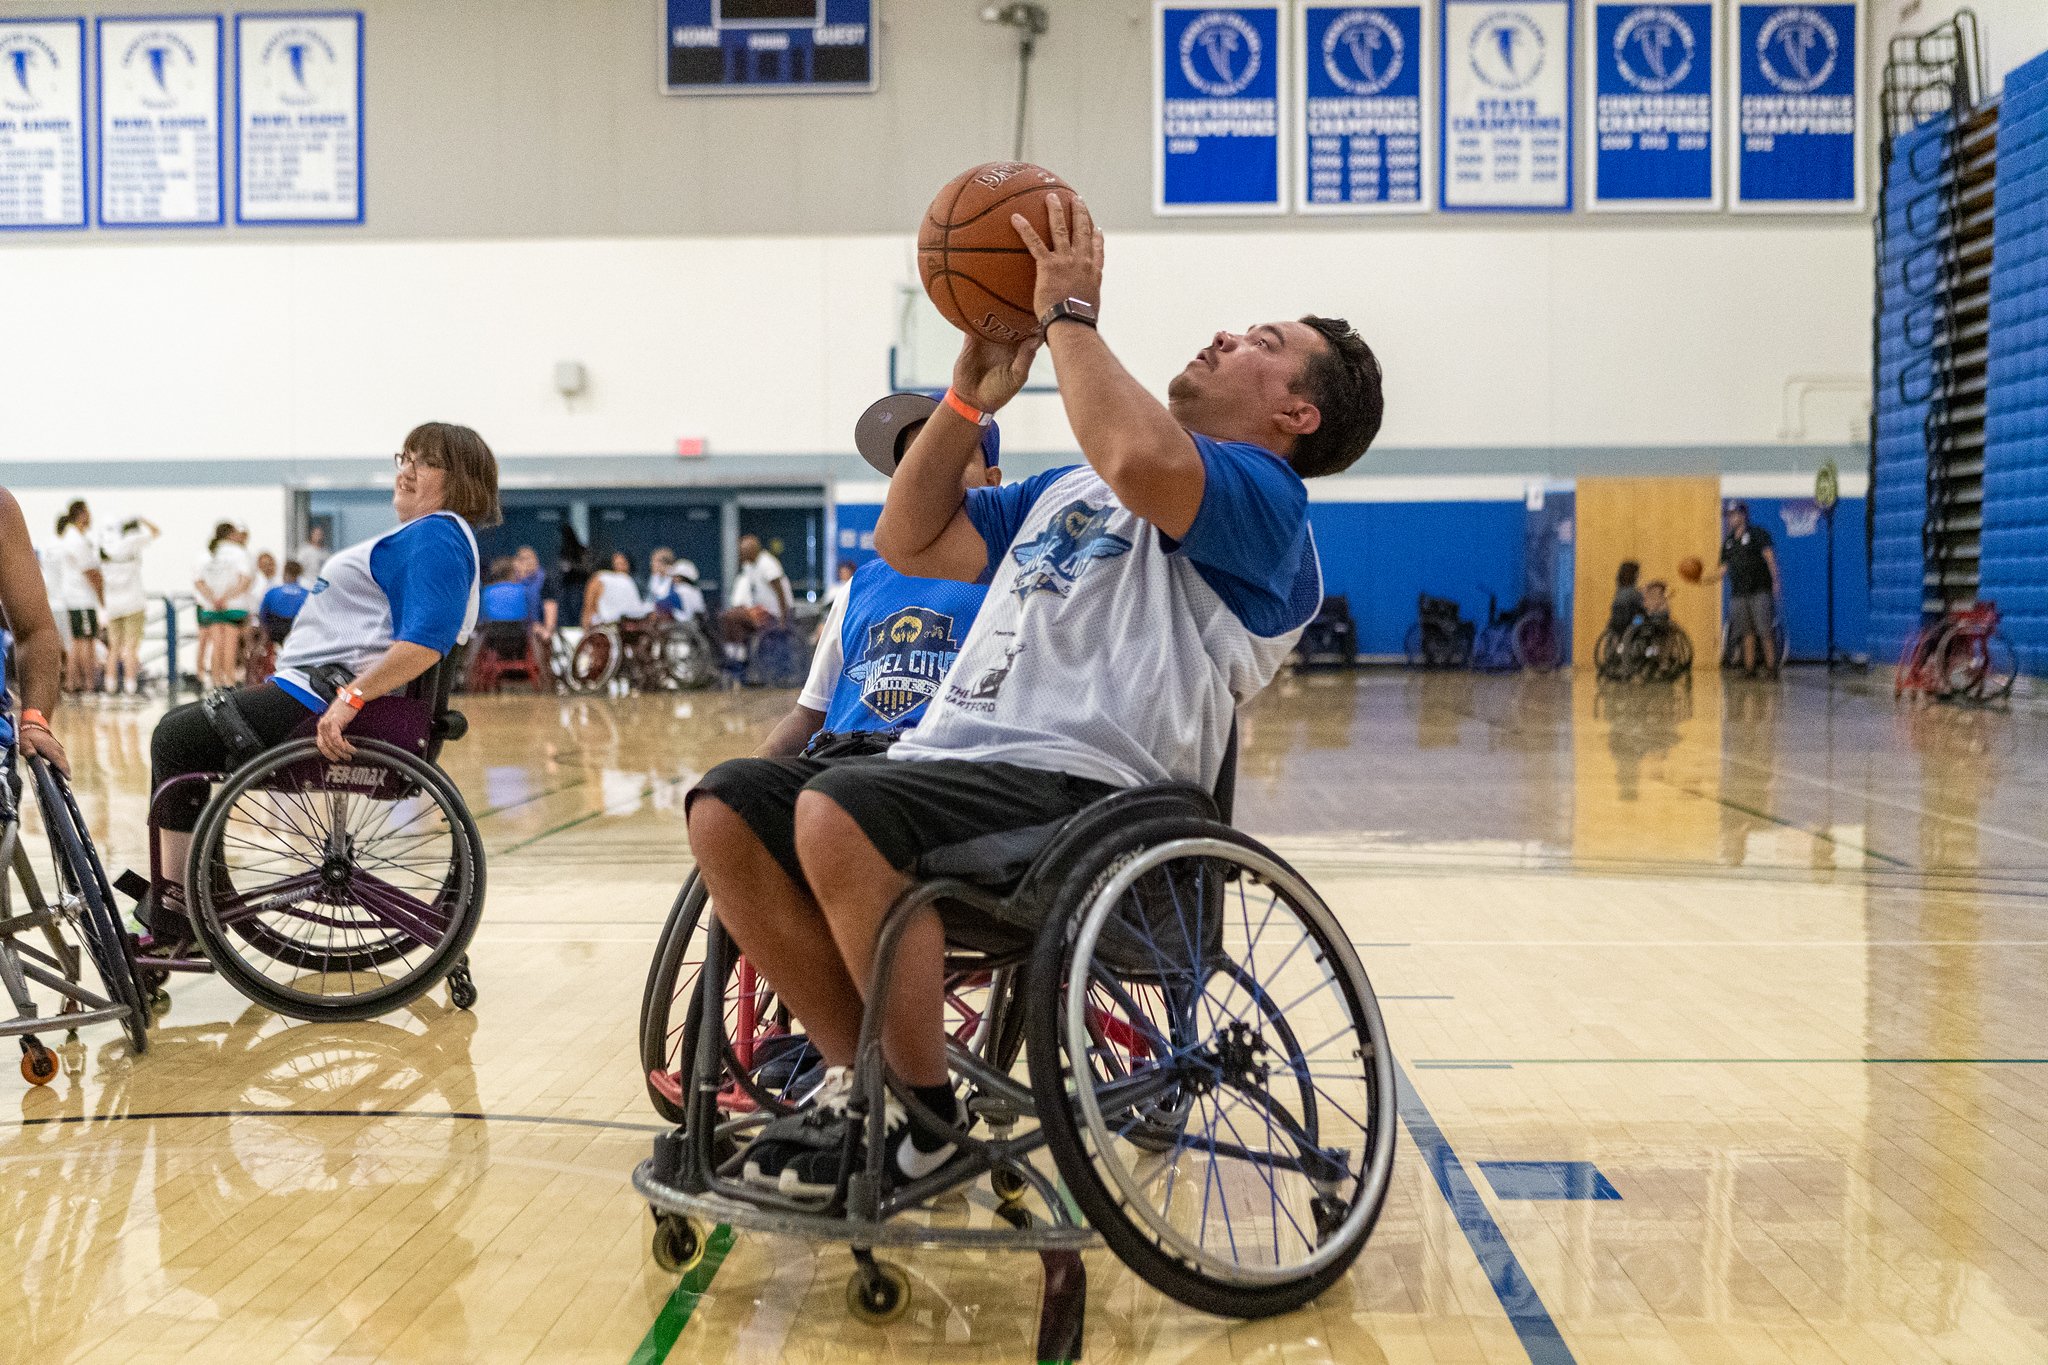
(675, 1314)
(1476, 1062)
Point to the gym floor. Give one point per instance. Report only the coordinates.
(1722, 1015)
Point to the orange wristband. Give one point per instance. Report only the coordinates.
(31, 716)
(968, 410)
(351, 697)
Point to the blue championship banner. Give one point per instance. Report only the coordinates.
(299, 118)
(160, 121)
(1798, 141)
(1364, 77)
(768, 47)
(1654, 95)
(42, 123)
(1506, 139)
(1219, 97)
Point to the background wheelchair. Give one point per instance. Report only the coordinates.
(332, 890)
(36, 935)
(1652, 649)
(1203, 1062)
(652, 654)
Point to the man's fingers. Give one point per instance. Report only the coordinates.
(1020, 368)
(1056, 221)
(1030, 237)
(1098, 253)
(1084, 221)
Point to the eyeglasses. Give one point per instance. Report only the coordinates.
(405, 460)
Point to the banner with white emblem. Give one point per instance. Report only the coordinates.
(1365, 77)
(1219, 99)
(299, 118)
(1652, 106)
(42, 123)
(1798, 144)
(1506, 138)
(160, 134)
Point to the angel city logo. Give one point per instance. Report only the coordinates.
(1506, 50)
(1363, 52)
(1220, 53)
(1653, 49)
(1796, 50)
(163, 64)
(26, 62)
(291, 55)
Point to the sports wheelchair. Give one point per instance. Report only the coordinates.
(1652, 649)
(651, 653)
(328, 890)
(79, 900)
(1203, 1060)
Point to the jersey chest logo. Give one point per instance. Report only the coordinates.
(1077, 535)
(903, 657)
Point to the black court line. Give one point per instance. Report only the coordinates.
(468, 1115)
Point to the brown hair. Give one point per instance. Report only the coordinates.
(1343, 381)
(471, 469)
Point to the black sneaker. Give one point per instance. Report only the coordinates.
(815, 1170)
(907, 1160)
(799, 1154)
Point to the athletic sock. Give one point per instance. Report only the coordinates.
(939, 1099)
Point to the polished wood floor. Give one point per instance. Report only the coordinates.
(1768, 963)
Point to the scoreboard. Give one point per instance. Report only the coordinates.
(769, 47)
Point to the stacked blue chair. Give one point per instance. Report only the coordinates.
(2015, 565)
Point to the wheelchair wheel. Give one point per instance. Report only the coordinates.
(779, 658)
(1225, 1163)
(335, 890)
(82, 880)
(1535, 642)
(596, 660)
(1411, 646)
(690, 658)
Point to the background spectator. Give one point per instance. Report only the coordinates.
(121, 577)
(78, 559)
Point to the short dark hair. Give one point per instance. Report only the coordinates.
(471, 469)
(294, 570)
(1343, 381)
(1625, 576)
(503, 569)
(1656, 585)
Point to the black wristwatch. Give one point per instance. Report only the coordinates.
(1068, 310)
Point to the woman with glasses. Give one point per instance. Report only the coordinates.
(383, 613)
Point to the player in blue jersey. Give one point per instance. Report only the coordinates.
(889, 639)
(380, 614)
(1133, 602)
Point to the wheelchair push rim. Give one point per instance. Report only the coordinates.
(335, 890)
(1293, 1144)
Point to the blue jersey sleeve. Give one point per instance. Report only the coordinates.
(1250, 539)
(998, 512)
(426, 570)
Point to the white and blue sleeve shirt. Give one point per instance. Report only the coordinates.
(418, 584)
(1111, 651)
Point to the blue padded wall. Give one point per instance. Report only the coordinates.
(1799, 535)
(1906, 319)
(2015, 569)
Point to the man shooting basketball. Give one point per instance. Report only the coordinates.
(1133, 603)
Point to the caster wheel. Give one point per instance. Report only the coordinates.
(461, 988)
(878, 1293)
(1008, 1185)
(159, 1002)
(38, 1063)
(677, 1245)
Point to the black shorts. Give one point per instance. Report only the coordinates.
(186, 742)
(85, 625)
(906, 809)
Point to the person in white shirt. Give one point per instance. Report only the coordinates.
(121, 577)
(78, 561)
(672, 585)
(613, 596)
(760, 594)
(312, 555)
(221, 581)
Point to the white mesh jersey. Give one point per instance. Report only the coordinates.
(1108, 650)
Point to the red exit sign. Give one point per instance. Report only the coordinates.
(692, 447)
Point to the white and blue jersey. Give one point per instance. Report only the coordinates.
(417, 584)
(1111, 651)
(886, 647)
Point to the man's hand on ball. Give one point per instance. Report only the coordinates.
(1069, 266)
(989, 374)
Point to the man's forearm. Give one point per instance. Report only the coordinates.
(791, 733)
(1110, 411)
(42, 662)
(926, 491)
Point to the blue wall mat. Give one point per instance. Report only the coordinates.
(1799, 535)
(1382, 554)
(1906, 321)
(2015, 567)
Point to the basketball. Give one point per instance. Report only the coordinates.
(976, 269)
(1690, 568)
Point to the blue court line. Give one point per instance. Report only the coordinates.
(1518, 1297)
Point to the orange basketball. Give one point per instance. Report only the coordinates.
(1690, 568)
(977, 270)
